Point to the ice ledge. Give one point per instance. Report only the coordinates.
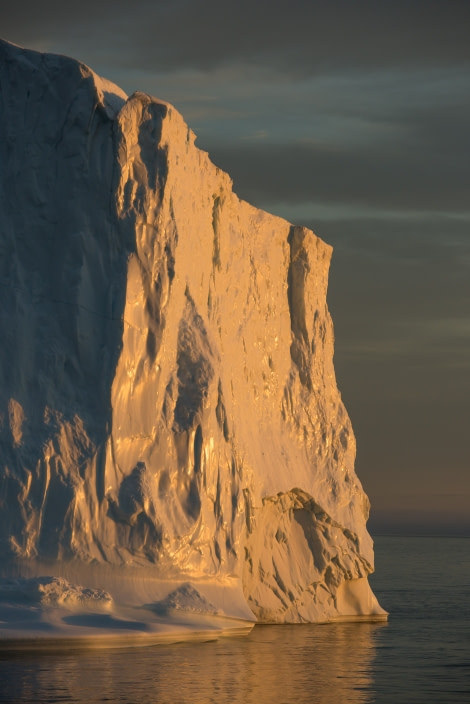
(52, 612)
(47, 613)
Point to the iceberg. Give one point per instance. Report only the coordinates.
(175, 456)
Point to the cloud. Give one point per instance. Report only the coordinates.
(391, 141)
(398, 174)
(401, 287)
(256, 136)
(301, 37)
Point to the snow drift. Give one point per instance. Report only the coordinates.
(169, 415)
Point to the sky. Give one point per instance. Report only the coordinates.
(351, 117)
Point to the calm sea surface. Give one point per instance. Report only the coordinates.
(421, 655)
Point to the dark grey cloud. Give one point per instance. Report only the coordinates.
(305, 36)
(400, 296)
(408, 149)
(422, 174)
(297, 36)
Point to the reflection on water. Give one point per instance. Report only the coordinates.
(311, 663)
(421, 655)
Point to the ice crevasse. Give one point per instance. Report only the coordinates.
(171, 431)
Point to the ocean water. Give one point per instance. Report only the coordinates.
(422, 655)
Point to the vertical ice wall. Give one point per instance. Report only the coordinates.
(167, 391)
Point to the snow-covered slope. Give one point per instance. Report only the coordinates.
(168, 404)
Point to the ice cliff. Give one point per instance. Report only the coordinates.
(168, 405)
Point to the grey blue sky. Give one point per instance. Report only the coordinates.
(351, 117)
